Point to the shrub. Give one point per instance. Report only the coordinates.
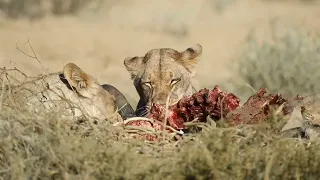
(39, 8)
(286, 64)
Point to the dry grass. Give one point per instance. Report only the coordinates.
(47, 146)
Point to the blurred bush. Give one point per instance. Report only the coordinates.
(287, 64)
(33, 9)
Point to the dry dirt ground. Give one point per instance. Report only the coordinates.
(99, 43)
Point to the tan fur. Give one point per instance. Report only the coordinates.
(161, 71)
(74, 86)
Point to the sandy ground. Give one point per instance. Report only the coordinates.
(99, 43)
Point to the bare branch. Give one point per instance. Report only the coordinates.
(34, 56)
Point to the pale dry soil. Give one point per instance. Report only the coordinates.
(99, 43)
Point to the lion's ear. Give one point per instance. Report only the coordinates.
(190, 58)
(77, 78)
(133, 65)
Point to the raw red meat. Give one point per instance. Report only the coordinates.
(216, 104)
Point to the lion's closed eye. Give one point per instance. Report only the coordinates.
(147, 84)
(175, 81)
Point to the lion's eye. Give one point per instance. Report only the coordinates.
(174, 81)
(147, 84)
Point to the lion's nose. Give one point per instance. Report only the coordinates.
(161, 99)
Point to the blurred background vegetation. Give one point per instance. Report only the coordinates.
(35, 9)
(287, 63)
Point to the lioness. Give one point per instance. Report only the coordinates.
(161, 71)
(77, 88)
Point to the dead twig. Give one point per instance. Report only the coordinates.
(34, 56)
